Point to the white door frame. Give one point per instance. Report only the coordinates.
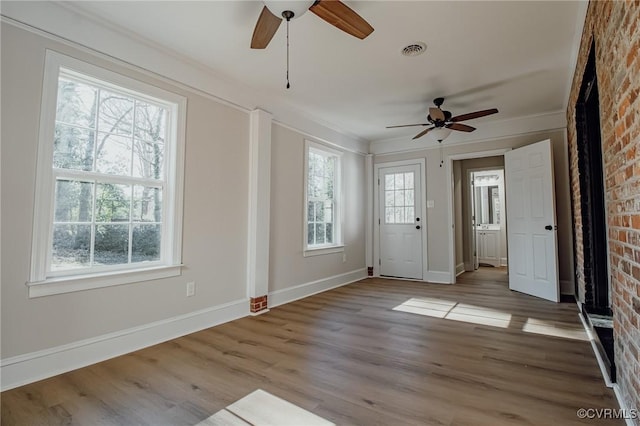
(450, 216)
(376, 212)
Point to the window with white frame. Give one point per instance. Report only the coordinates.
(109, 178)
(323, 195)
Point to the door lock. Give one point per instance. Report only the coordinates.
(417, 226)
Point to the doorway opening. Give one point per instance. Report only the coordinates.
(597, 289)
(478, 212)
(487, 218)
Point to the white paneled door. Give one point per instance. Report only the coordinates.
(401, 221)
(531, 219)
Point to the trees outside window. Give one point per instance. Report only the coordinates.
(110, 161)
(100, 134)
(323, 192)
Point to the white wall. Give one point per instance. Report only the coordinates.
(48, 335)
(288, 268)
(437, 220)
(458, 185)
(215, 214)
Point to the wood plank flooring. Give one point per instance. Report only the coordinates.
(473, 353)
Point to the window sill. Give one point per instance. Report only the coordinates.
(61, 285)
(323, 250)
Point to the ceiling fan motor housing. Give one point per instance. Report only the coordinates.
(288, 9)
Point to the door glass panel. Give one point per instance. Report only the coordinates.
(399, 198)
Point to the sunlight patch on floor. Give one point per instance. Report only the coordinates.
(464, 312)
(447, 309)
(260, 408)
(549, 328)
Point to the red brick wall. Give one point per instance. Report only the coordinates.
(615, 27)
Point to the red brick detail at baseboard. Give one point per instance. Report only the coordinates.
(257, 304)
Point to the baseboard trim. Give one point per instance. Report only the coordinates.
(439, 277)
(603, 370)
(287, 295)
(566, 287)
(601, 364)
(622, 404)
(503, 261)
(460, 268)
(28, 368)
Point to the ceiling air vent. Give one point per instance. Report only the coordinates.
(414, 49)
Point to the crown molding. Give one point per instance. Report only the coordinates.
(68, 23)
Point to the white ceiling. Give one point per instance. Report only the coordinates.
(517, 56)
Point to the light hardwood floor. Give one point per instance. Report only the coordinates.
(473, 353)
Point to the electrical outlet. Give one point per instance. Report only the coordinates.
(191, 288)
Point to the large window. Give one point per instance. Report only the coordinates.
(109, 178)
(322, 206)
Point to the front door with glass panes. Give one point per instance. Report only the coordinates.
(401, 222)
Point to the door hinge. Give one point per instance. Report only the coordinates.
(378, 181)
(378, 221)
(379, 262)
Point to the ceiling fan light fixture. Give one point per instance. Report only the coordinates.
(298, 8)
(439, 134)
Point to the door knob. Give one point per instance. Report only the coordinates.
(417, 226)
(548, 227)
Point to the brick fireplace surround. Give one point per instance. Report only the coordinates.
(615, 28)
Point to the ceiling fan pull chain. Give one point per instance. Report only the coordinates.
(441, 154)
(288, 85)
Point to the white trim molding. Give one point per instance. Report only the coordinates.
(87, 282)
(623, 406)
(368, 230)
(448, 167)
(313, 147)
(28, 368)
(438, 277)
(259, 203)
(68, 23)
(376, 211)
(322, 251)
(603, 369)
(300, 291)
(567, 287)
(43, 279)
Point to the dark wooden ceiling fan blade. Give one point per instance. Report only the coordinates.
(408, 125)
(343, 17)
(422, 133)
(460, 127)
(436, 114)
(473, 115)
(265, 29)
